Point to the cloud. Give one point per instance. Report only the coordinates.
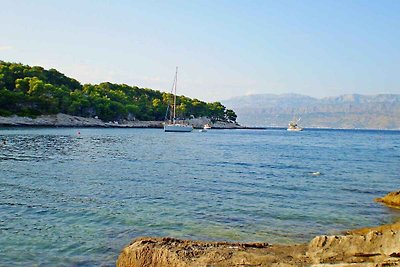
(5, 47)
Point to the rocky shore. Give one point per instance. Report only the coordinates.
(392, 199)
(379, 246)
(367, 247)
(64, 120)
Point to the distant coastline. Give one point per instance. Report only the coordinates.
(351, 111)
(64, 120)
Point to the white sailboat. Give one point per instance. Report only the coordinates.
(294, 127)
(172, 125)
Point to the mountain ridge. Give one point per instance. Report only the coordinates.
(380, 111)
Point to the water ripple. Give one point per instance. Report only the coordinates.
(77, 201)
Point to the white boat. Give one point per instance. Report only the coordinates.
(294, 127)
(207, 127)
(172, 125)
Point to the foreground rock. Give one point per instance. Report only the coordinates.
(379, 246)
(392, 199)
(181, 253)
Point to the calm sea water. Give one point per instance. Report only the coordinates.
(75, 201)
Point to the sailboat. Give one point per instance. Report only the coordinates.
(294, 127)
(172, 125)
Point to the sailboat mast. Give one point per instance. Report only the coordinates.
(176, 81)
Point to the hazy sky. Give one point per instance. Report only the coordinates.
(223, 48)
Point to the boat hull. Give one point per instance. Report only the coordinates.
(178, 128)
(295, 129)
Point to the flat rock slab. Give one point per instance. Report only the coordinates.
(146, 252)
(377, 246)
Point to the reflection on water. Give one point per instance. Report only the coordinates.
(77, 200)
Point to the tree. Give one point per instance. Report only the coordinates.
(216, 111)
(133, 111)
(33, 91)
(22, 85)
(230, 115)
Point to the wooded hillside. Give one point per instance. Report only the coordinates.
(32, 91)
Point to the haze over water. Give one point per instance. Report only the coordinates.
(77, 201)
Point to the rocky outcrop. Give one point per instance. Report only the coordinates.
(159, 252)
(369, 246)
(378, 246)
(392, 199)
(226, 125)
(200, 122)
(64, 120)
(59, 120)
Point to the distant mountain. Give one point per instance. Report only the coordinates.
(346, 111)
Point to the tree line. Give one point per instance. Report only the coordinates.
(32, 91)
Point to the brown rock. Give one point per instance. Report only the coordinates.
(146, 252)
(392, 199)
(381, 228)
(377, 246)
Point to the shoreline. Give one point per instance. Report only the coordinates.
(372, 246)
(376, 246)
(64, 120)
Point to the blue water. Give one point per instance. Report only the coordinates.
(70, 201)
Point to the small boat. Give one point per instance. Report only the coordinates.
(205, 128)
(294, 127)
(172, 125)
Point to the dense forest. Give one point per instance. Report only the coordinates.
(32, 91)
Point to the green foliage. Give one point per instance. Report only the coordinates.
(230, 115)
(32, 91)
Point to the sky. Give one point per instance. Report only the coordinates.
(223, 48)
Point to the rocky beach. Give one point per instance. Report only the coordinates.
(373, 246)
(64, 120)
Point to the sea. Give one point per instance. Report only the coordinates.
(77, 196)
